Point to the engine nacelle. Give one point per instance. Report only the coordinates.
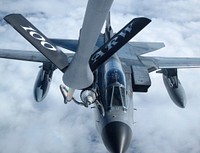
(43, 82)
(174, 87)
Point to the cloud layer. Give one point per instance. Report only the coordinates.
(51, 126)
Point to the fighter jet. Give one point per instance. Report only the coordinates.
(105, 66)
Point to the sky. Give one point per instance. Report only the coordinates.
(51, 126)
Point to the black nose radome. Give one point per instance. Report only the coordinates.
(117, 137)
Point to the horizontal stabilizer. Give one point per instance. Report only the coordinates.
(38, 40)
(132, 50)
(117, 41)
(72, 44)
(140, 48)
(69, 44)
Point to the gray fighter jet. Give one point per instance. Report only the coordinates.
(105, 66)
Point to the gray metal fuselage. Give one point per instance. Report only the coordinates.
(115, 94)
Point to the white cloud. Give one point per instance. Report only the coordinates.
(51, 126)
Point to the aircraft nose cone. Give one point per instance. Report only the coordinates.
(117, 137)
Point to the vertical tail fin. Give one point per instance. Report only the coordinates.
(108, 29)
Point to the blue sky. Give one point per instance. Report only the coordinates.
(51, 126)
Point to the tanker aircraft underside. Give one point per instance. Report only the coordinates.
(105, 66)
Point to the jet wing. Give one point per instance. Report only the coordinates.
(32, 56)
(130, 55)
(154, 63)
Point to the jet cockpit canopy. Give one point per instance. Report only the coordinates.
(115, 89)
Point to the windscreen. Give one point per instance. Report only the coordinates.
(115, 89)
